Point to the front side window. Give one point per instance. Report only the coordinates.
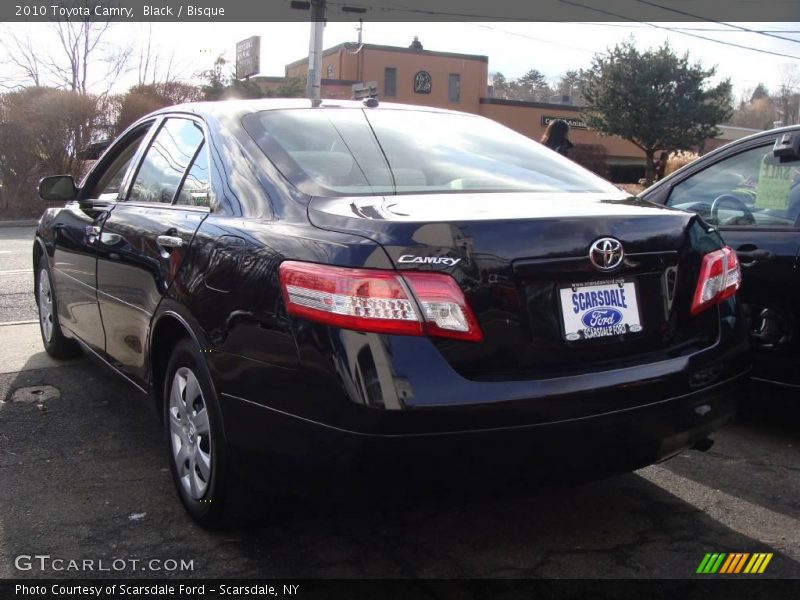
(166, 160)
(752, 189)
(342, 151)
(109, 182)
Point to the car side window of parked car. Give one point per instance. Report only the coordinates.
(168, 158)
(196, 187)
(107, 187)
(750, 189)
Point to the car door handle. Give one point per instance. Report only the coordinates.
(169, 241)
(750, 257)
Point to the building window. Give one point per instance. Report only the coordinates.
(454, 89)
(329, 73)
(390, 82)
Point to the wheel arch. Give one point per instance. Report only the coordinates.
(170, 326)
(39, 250)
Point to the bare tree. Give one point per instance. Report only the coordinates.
(70, 60)
(21, 55)
(153, 67)
(788, 99)
(81, 46)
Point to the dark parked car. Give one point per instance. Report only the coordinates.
(347, 280)
(750, 191)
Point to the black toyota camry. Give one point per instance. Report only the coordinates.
(324, 282)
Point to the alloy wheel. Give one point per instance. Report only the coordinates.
(190, 433)
(45, 306)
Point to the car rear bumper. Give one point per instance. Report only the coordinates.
(611, 442)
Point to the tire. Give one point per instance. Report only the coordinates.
(198, 452)
(53, 339)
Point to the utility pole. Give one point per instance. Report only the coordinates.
(313, 84)
(360, 29)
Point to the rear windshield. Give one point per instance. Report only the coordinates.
(353, 151)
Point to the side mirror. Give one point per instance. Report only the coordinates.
(787, 146)
(58, 188)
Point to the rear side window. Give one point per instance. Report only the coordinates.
(352, 151)
(196, 188)
(167, 159)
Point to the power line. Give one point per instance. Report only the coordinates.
(407, 9)
(682, 32)
(748, 81)
(739, 27)
(708, 29)
(529, 37)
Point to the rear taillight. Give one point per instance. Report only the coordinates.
(411, 303)
(720, 277)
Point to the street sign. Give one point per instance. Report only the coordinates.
(248, 55)
(574, 122)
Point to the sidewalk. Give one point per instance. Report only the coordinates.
(22, 349)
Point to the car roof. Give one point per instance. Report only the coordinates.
(766, 132)
(228, 107)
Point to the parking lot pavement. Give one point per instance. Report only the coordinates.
(83, 475)
(16, 275)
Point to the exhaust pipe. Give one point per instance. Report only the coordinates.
(703, 445)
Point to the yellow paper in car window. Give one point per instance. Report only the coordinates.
(774, 181)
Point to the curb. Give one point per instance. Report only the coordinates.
(20, 223)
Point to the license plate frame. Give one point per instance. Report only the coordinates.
(599, 309)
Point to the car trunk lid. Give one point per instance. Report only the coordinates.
(523, 262)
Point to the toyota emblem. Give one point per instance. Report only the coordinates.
(606, 254)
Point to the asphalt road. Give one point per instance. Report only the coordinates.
(83, 475)
(16, 276)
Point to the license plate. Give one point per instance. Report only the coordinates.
(599, 309)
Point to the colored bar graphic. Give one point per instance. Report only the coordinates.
(758, 563)
(741, 562)
(711, 563)
(717, 564)
(765, 563)
(703, 563)
(755, 562)
(732, 558)
(731, 563)
(728, 564)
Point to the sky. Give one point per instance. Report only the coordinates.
(512, 48)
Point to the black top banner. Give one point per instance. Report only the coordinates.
(400, 10)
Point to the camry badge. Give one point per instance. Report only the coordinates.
(429, 260)
(606, 254)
